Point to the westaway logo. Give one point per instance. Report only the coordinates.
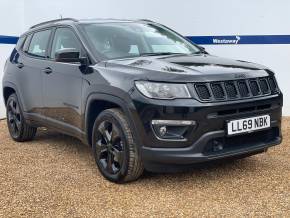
(226, 40)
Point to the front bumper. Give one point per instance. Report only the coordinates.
(200, 150)
(211, 119)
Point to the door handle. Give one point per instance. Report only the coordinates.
(20, 65)
(47, 70)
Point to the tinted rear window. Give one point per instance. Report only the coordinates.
(38, 44)
(26, 43)
(20, 42)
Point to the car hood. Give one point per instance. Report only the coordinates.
(189, 68)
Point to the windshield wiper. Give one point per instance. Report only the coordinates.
(159, 53)
(201, 51)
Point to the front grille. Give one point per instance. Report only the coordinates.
(264, 86)
(272, 84)
(237, 89)
(243, 88)
(217, 90)
(231, 89)
(203, 91)
(254, 87)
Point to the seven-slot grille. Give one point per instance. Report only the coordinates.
(236, 89)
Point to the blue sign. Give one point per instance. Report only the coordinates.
(240, 39)
(8, 39)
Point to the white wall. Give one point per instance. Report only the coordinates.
(11, 24)
(199, 17)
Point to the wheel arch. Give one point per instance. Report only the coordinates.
(8, 89)
(96, 103)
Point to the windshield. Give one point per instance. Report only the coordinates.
(123, 40)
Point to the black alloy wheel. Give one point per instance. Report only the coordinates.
(19, 129)
(109, 147)
(116, 153)
(14, 118)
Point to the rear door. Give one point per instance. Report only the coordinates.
(62, 84)
(30, 63)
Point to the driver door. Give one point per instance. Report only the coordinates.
(62, 84)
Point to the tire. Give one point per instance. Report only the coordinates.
(19, 130)
(116, 154)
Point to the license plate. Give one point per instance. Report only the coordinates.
(247, 125)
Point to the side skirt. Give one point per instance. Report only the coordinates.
(38, 120)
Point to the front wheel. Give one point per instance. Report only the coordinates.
(19, 130)
(116, 154)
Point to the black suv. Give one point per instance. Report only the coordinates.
(141, 95)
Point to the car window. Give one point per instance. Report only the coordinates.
(64, 38)
(26, 43)
(20, 42)
(38, 44)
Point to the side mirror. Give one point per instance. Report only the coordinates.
(84, 61)
(84, 68)
(67, 55)
(202, 49)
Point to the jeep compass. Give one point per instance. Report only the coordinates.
(139, 94)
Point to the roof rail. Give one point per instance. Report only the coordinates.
(52, 21)
(146, 20)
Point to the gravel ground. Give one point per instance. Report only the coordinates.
(55, 176)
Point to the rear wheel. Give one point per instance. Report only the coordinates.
(19, 130)
(116, 154)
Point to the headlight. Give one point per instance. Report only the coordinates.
(162, 90)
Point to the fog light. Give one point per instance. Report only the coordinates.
(162, 130)
(174, 130)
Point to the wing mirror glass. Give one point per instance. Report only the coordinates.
(68, 56)
(73, 56)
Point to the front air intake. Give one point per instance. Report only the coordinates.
(254, 88)
(218, 91)
(231, 90)
(264, 86)
(243, 89)
(203, 91)
(272, 84)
